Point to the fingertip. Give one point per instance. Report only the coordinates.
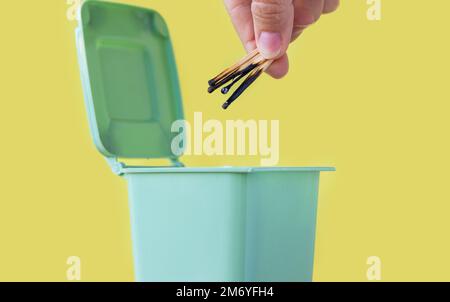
(250, 45)
(330, 6)
(296, 32)
(279, 68)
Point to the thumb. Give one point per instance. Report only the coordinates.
(273, 21)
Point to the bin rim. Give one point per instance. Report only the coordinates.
(225, 169)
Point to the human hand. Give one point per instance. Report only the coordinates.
(271, 25)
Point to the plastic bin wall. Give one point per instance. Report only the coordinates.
(223, 226)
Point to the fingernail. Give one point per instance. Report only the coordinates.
(269, 44)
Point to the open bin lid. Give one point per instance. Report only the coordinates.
(130, 80)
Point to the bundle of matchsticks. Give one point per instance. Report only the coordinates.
(252, 66)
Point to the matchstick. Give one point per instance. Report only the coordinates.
(252, 66)
(252, 77)
(233, 68)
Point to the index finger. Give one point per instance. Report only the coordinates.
(241, 15)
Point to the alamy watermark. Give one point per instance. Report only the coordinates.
(374, 270)
(73, 272)
(73, 10)
(234, 137)
(374, 10)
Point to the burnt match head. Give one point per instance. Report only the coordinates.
(252, 65)
(225, 105)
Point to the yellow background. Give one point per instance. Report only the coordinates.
(370, 98)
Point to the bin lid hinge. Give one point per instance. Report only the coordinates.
(176, 163)
(116, 166)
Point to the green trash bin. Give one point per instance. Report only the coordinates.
(188, 224)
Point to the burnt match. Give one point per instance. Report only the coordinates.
(252, 66)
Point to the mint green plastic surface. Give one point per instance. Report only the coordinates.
(131, 80)
(223, 224)
(188, 224)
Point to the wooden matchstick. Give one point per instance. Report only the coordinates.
(232, 72)
(245, 72)
(233, 68)
(248, 81)
(236, 73)
(252, 66)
